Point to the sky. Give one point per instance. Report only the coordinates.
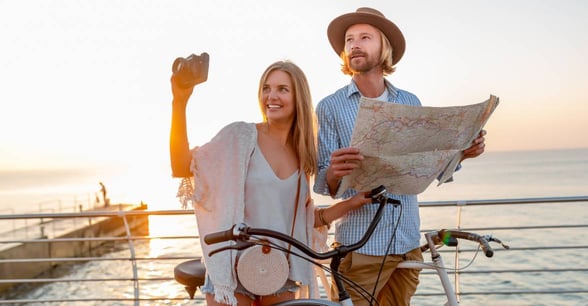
(87, 82)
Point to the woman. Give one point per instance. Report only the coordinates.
(256, 173)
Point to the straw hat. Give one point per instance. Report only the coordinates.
(365, 15)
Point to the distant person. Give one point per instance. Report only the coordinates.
(369, 46)
(256, 173)
(104, 197)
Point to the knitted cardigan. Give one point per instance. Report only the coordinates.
(217, 194)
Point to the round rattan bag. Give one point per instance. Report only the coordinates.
(262, 270)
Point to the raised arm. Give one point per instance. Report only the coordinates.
(187, 73)
(179, 151)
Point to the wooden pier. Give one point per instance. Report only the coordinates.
(60, 238)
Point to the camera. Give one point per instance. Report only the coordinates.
(191, 70)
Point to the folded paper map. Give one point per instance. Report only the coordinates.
(406, 148)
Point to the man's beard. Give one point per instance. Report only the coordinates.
(365, 65)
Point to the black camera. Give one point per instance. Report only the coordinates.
(191, 70)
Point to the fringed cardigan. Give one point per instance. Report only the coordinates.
(217, 194)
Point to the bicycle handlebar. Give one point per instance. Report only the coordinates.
(242, 232)
(230, 234)
(444, 236)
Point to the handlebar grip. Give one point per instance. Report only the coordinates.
(486, 247)
(219, 236)
(378, 191)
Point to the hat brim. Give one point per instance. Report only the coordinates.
(338, 27)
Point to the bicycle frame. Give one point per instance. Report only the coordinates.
(436, 264)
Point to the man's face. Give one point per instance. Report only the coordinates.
(362, 47)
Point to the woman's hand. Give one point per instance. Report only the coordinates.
(358, 200)
(180, 94)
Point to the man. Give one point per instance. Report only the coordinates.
(369, 46)
(103, 191)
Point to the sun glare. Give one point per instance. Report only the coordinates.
(168, 228)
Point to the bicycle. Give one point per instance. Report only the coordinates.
(192, 273)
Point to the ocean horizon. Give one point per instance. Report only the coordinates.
(493, 175)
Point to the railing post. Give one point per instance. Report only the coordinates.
(456, 279)
(133, 259)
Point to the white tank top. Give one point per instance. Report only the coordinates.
(269, 203)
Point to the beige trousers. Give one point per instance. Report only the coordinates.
(395, 286)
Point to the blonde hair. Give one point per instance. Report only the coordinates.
(303, 130)
(386, 54)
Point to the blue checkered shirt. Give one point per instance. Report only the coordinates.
(336, 117)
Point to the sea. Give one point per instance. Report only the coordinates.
(493, 175)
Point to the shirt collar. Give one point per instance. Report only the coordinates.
(392, 91)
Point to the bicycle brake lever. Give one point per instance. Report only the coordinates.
(239, 246)
(393, 201)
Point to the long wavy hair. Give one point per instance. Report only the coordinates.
(303, 129)
(386, 54)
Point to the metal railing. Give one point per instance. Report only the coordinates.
(512, 271)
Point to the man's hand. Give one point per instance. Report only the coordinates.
(477, 147)
(343, 162)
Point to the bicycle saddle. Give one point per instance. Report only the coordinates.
(191, 274)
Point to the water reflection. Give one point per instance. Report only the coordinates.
(170, 226)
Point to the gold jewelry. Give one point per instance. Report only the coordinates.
(321, 214)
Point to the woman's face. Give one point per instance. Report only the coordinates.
(277, 96)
